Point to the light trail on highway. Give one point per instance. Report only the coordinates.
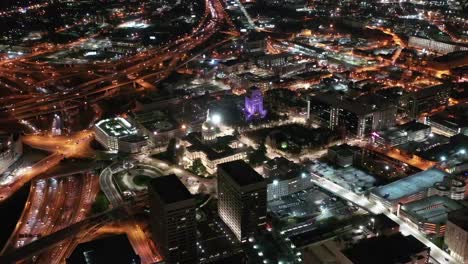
(74, 146)
(54, 204)
(47, 227)
(89, 91)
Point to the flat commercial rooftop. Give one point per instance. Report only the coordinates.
(155, 120)
(170, 189)
(460, 218)
(410, 185)
(242, 173)
(433, 209)
(116, 127)
(385, 250)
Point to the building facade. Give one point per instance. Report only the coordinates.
(434, 45)
(242, 198)
(429, 215)
(359, 117)
(254, 105)
(11, 149)
(456, 235)
(285, 177)
(451, 187)
(424, 100)
(119, 135)
(412, 188)
(173, 222)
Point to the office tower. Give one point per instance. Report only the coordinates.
(241, 198)
(456, 235)
(173, 220)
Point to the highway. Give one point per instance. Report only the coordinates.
(413, 161)
(55, 218)
(74, 146)
(108, 187)
(436, 253)
(78, 231)
(143, 65)
(54, 204)
(194, 183)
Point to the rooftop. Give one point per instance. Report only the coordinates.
(413, 126)
(242, 173)
(116, 127)
(113, 249)
(156, 120)
(384, 222)
(344, 149)
(454, 117)
(213, 151)
(281, 168)
(432, 209)
(385, 250)
(170, 189)
(430, 142)
(402, 130)
(410, 185)
(460, 218)
(360, 105)
(430, 91)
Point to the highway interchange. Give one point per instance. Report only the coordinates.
(59, 207)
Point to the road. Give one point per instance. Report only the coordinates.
(194, 183)
(151, 66)
(436, 253)
(73, 146)
(414, 161)
(54, 204)
(54, 220)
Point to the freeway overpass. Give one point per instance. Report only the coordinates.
(144, 65)
(76, 230)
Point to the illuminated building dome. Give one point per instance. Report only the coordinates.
(210, 127)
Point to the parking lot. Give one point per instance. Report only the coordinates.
(350, 178)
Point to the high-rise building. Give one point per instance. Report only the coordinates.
(173, 220)
(358, 116)
(254, 105)
(11, 149)
(242, 196)
(456, 235)
(424, 100)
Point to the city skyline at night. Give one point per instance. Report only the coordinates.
(234, 131)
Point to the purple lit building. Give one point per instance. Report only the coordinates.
(254, 105)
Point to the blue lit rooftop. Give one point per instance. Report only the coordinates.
(410, 185)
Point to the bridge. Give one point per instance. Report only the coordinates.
(91, 223)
